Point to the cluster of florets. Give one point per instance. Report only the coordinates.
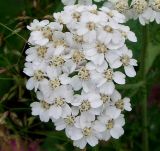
(74, 65)
(143, 10)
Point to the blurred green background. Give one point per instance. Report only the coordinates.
(20, 131)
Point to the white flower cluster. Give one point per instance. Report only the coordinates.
(74, 65)
(145, 11)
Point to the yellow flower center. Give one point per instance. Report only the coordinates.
(91, 26)
(69, 120)
(125, 60)
(108, 74)
(85, 106)
(101, 48)
(139, 6)
(59, 102)
(47, 33)
(39, 75)
(120, 105)
(104, 98)
(155, 5)
(55, 83)
(41, 52)
(56, 61)
(87, 131)
(110, 124)
(78, 57)
(84, 74)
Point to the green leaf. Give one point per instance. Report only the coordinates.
(152, 52)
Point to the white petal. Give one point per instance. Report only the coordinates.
(119, 77)
(99, 127)
(116, 64)
(116, 132)
(65, 79)
(92, 140)
(108, 87)
(80, 143)
(30, 84)
(75, 134)
(116, 96)
(76, 83)
(130, 71)
(55, 112)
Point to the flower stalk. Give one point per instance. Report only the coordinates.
(144, 88)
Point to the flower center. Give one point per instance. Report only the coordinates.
(76, 16)
(155, 5)
(84, 74)
(125, 60)
(39, 75)
(56, 61)
(122, 6)
(139, 6)
(87, 131)
(45, 105)
(91, 26)
(85, 106)
(110, 124)
(119, 104)
(47, 33)
(101, 48)
(69, 120)
(104, 98)
(110, 14)
(94, 11)
(108, 74)
(108, 29)
(78, 56)
(41, 51)
(55, 83)
(59, 102)
(59, 42)
(78, 39)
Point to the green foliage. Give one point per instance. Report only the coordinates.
(14, 98)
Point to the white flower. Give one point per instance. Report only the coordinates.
(121, 104)
(125, 59)
(88, 103)
(82, 80)
(37, 53)
(113, 15)
(98, 53)
(111, 36)
(141, 10)
(155, 5)
(121, 6)
(42, 110)
(111, 124)
(127, 34)
(55, 81)
(87, 132)
(37, 73)
(37, 25)
(43, 34)
(60, 100)
(67, 122)
(107, 76)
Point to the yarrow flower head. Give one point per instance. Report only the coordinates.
(75, 64)
(142, 10)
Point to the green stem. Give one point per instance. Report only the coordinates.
(13, 31)
(144, 89)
